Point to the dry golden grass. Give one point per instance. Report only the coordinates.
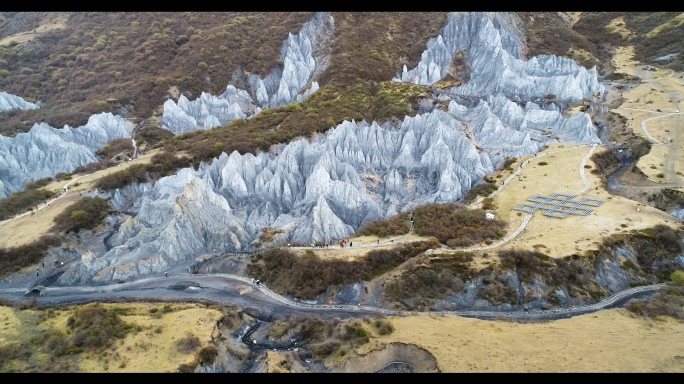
(663, 89)
(619, 25)
(29, 228)
(571, 111)
(51, 22)
(573, 234)
(606, 341)
(623, 60)
(672, 23)
(652, 164)
(273, 361)
(160, 353)
(143, 351)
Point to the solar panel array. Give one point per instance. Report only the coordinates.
(559, 205)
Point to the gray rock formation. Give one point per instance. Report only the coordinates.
(302, 54)
(8, 102)
(45, 151)
(325, 189)
(678, 213)
(321, 190)
(493, 48)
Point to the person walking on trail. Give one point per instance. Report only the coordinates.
(166, 274)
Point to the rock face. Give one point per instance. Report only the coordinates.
(321, 190)
(326, 189)
(493, 50)
(45, 151)
(302, 54)
(678, 213)
(8, 102)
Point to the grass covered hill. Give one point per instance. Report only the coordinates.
(139, 57)
(134, 57)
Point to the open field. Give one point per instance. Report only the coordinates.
(149, 347)
(29, 228)
(607, 341)
(659, 89)
(573, 234)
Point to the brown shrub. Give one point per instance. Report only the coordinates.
(394, 226)
(16, 258)
(456, 224)
(83, 63)
(207, 355)
(666, 303)
(308, 276)
(86, 213)
(95, 326)
(484, 189)
(116, 147)
(188, 344)
(20, 202)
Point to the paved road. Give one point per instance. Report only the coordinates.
(238, 290)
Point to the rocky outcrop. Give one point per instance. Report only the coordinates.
(8, 102)
(45, 151)
(493, 49)
(325, 189)
(302, 55)
(678, 213)
(311, 191)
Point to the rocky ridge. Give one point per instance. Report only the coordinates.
(325, 189)
(494, 52)
(45, 151)
(322, 190)
(302, 55)
(9, 102)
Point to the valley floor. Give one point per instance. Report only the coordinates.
(606, 341)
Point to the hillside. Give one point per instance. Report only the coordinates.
(331, 167)
(144, 58)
